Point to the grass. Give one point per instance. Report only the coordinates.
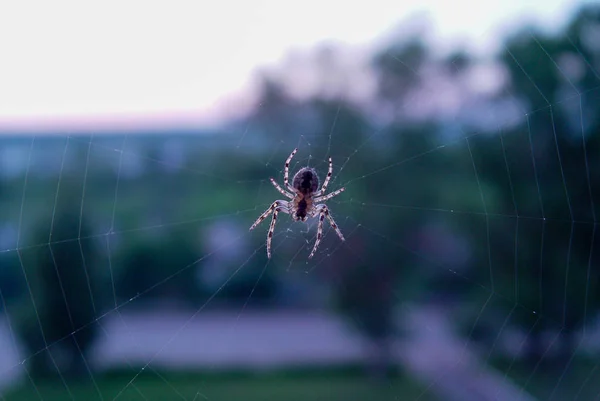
(290, 386)
(579, 380)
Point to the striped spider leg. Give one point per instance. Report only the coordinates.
(281, 190)
(323, 211)
(286, 172)
(275, 208)
(329, 196)
(326, 182)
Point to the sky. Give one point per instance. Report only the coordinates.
(70, 64)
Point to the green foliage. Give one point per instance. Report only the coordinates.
(160, 268)
(329, 386)
(524, 194)
(549, 179)
(57, 313)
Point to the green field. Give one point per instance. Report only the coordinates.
(579, 380)
(195, 387)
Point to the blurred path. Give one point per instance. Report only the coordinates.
(440, 359)
(227, 339)
(282, 339)
(9, 357)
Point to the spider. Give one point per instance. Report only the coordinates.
(303, 203)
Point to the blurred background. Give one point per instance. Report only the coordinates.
(137, 141)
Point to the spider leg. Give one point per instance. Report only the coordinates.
(329, 196)
(319, 234)
(323, 212)
(278, 204)
(326, 182)
(281, 190)
(272, 226)
(331, 221)
(286, 173)
(270, 233)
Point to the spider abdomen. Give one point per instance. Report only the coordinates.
(302, 208)
(306, 181)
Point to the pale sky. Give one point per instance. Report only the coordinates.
(76, 62)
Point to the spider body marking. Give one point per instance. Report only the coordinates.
(306, 183)
(304, 196)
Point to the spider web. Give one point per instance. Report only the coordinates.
(203, 334)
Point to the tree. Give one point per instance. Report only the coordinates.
(554, 95)
(171, 260)
(61, 311)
